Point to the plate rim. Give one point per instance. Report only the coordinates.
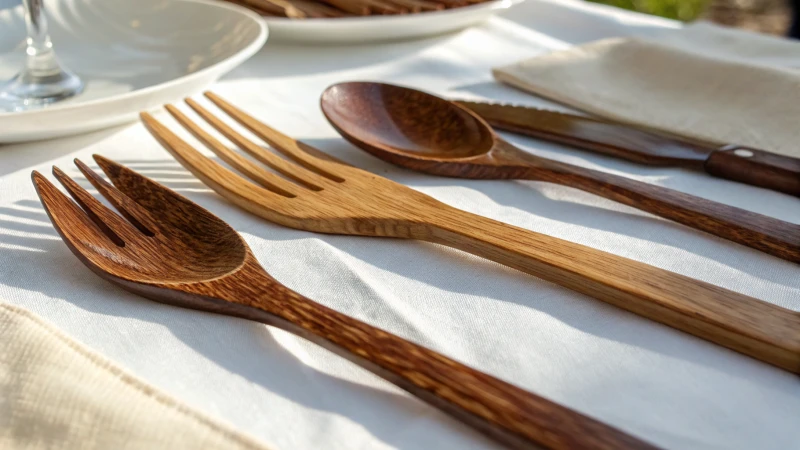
(245, 53)
(359, 20)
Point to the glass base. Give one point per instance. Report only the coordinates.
(26, 91)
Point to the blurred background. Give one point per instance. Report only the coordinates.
(766, 16)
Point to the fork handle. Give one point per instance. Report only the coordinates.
(506, 413)
(742, 323)
(763, 233)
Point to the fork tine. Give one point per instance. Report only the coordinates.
(127, 207)
(168, 208)
(118, 229)
(256, 173)
(72, 222)
(225, 182)
(297, 173)
(305, 155)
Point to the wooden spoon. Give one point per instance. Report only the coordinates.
(426, 133)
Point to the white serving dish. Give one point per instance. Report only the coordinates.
(133, 56)
(382, 28)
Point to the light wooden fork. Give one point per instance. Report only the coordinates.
(325, 195)
(171, 250)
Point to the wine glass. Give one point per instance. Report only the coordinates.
(43, 79)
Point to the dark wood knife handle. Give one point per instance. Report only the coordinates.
(756, 167)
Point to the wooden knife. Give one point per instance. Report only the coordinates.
(733, 162)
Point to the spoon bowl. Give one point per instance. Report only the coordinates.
(394, 121)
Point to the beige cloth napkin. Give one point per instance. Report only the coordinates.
(57, 394)
(704, 82)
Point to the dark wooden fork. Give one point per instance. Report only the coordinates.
(170, 250)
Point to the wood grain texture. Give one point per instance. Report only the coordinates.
(588, 133)
(309, 9)
(756, 167)
(750, 326)
(759, 168)
(361, 203)
(425, 133)
(173, 251)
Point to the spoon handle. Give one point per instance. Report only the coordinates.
(742, 323)
(763, 233)
(506, 413)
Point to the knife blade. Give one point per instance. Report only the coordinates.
(733, 162)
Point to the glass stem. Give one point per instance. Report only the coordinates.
(41, 60)
(42, 80)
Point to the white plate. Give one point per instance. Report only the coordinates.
(133, 55)
(382, 28)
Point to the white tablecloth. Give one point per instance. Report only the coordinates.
(672, 389)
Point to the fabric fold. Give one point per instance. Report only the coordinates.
(57, 394)
(704, 82)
